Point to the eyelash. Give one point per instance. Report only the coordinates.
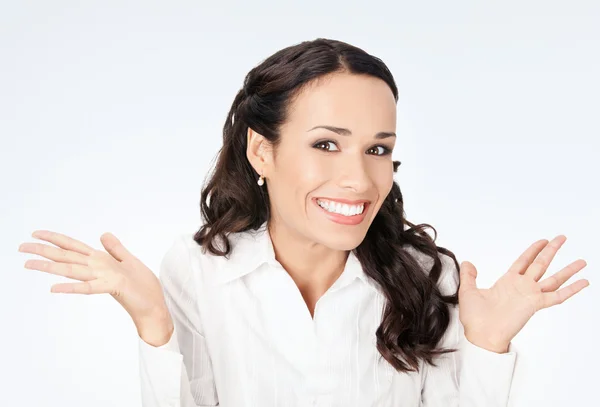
(386, 150)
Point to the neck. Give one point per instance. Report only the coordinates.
(313, 266)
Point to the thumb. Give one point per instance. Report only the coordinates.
(114, 246)
(468, 275)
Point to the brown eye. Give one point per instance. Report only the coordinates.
(379, 150)
(326, 146)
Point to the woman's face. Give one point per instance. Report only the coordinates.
(327, 185)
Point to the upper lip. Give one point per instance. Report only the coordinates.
(345, 201)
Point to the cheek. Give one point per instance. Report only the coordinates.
(302, 171)
(384, 180)
(387, 186)
(295, 175)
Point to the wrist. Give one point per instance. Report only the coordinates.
(488, 343)
(155, 330)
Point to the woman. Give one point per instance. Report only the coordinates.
(306, 285)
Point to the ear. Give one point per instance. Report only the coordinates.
(258, 151)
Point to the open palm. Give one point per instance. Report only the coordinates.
(492, 317)
(115, 271)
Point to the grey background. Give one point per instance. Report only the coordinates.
(111, 112)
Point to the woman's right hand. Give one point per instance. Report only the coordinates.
(115, 271)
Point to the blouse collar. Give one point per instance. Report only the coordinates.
(253, 248)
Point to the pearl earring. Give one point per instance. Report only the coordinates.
(261, 181)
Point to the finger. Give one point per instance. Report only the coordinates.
(553, 282)
(558, 297)
(97, 286)
(525, 259)
(539, 266)
(74, 271)
(54, 253)
(63, 241)
(468, 276)
(114, 247)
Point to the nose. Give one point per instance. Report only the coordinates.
(354, 174)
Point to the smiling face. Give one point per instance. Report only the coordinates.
(333, 167)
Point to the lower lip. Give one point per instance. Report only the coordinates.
(341, 219)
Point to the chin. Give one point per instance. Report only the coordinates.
(343, 241)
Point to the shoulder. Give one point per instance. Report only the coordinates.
(180, 250)
(185, 255)
(176, 261)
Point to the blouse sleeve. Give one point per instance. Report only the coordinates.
(179, 373)
(471, 376)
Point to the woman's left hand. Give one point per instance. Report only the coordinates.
(492, 317)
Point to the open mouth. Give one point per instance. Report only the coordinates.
(343, 211)
(339, 208)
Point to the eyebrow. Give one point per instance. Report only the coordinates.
(346, 132)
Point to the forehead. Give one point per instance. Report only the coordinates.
(358, 102)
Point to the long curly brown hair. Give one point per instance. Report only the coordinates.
(416, 314)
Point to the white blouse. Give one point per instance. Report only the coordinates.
(244, 337)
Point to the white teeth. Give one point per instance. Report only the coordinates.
(343, 209)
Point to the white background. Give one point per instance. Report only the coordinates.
(110, 115)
